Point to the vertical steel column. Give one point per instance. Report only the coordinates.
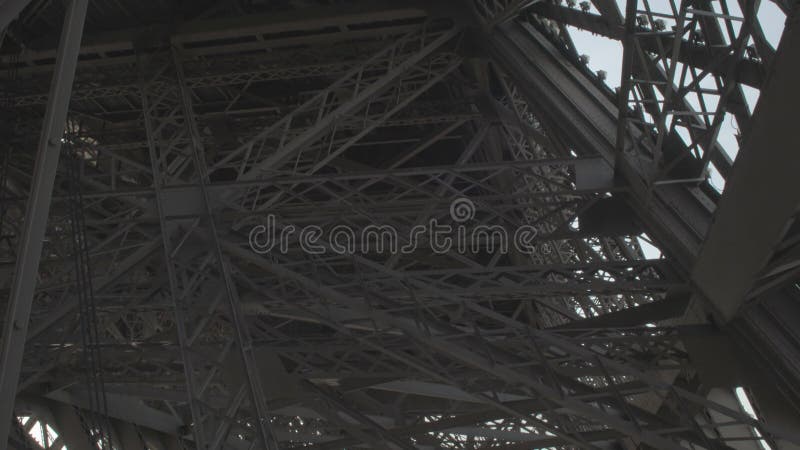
(242, 336)
(30, 249)
(199, 277)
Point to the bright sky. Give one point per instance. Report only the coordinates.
(606, 54)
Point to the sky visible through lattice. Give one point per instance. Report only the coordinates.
(606, 54)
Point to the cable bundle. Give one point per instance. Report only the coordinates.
(96, 421)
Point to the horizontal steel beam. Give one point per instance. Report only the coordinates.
(212, 36)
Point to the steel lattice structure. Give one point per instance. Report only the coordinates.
(647, 307)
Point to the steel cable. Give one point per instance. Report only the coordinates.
(98, 426)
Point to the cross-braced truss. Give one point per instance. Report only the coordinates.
(369, 117)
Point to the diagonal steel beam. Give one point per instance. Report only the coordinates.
(677, 216)
(430, 334)
(30, 249)
(762, 197)
(258, 154)
(9, 10)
